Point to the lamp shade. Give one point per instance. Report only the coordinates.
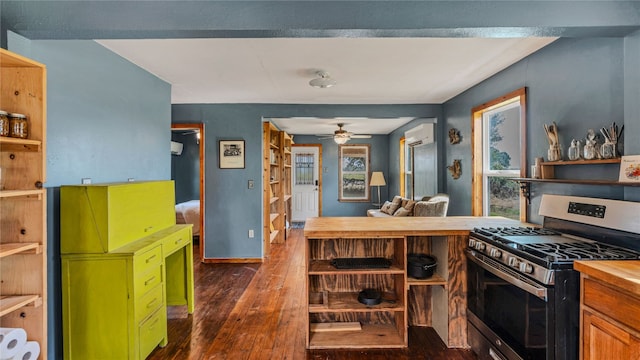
(377, 179)
(340, 139)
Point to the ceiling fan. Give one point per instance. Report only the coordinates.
(341, 136)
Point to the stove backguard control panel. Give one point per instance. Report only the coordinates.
(587, 209)
(607, 213)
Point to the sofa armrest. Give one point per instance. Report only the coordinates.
(436, 206)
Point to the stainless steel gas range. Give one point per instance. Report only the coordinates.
(523, 299)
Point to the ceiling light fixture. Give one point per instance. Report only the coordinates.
(323, 80)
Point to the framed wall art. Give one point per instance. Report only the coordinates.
(231, 154)
(353, 181)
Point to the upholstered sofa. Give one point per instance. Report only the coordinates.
(436, 205)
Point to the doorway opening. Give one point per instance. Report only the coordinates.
(187, 171)
(306, 183)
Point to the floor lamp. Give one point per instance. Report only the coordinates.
(377, 179)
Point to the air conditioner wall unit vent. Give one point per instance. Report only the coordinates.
(421, 134)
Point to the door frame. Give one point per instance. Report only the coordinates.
(200, 127)
(319, 146)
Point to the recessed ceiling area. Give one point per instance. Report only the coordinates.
(327, 126)
(366, 70)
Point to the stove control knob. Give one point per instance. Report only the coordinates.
(513, 262)
(526, 268)
(472, 243)
(480, 246)
(495, 253)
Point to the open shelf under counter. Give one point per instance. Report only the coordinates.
(433, 280)
(324, 267)
(19, 248)
(348, 302)
(370, 336)
(12, 303)
(16, 144)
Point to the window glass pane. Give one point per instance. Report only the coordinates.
(304, 169)
(354, 160)
(504, 197)
(504, 138)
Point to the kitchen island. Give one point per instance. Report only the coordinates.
(335, 317)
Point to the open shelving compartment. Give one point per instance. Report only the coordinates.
(23, 201)
(336, 319)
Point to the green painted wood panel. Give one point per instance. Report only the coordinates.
(100, 218)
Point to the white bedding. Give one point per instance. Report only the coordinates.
(189, 213)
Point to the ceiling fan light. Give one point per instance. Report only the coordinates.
(340, 139)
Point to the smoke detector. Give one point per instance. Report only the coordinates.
(323, 80)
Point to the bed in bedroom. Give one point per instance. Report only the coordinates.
(188, 212)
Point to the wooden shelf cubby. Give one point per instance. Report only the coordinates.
(23, 201)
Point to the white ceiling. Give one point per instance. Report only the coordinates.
(367, 70)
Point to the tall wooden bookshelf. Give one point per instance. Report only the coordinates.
(23, 201)
(276, 184)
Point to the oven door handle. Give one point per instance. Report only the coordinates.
(527, 286)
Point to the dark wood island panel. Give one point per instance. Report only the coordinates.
(439, 302)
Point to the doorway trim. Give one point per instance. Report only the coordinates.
(200, 127)
(319, 146)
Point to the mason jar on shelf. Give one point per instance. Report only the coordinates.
(19, 127)
(4, 123)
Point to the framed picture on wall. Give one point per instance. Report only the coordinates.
(353, 182)
(231, 154)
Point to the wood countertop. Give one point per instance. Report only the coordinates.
(374, 227)
(624, 274)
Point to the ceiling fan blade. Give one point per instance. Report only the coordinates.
(361, 136)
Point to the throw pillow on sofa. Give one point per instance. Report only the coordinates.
(402, 212)
(390, 207)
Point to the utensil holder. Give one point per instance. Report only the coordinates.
(608, 149)
(554, 153)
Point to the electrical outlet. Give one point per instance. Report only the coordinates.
(86, 181)
(131, 179)
(251, 233)
(250, 184)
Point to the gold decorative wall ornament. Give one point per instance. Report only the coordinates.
(454, 136)
(455, 169)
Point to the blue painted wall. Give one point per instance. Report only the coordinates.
(579, 83)
(632, 103)
(107, 120)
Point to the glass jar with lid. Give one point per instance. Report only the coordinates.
(4, 123)
(18, 125)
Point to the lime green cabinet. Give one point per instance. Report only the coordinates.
(100, 218)
(115, 292)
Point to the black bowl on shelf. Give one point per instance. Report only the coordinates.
(421, 266)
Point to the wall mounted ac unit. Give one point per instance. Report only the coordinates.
(421, 134)
(176, 148)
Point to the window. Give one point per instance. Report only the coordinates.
(304, 164)
(499, 153)
(354, 173)
(406, 169)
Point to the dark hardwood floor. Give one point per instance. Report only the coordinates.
(256, 311)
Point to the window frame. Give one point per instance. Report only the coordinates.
(366, 172)
(479, 205)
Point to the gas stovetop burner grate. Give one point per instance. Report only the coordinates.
(583, 251)
(514, 231)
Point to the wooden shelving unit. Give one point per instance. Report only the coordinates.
(23, 206)
(332, 298)
(549, 175)
(277, 184)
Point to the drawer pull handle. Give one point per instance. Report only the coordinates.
(153, 324)
(178, 241)
(151, 258)
(150, 304)
(150, 280)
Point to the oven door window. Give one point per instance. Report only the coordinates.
(518, 317)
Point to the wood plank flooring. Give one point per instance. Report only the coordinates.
(256, 311)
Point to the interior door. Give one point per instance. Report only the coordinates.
(306, 182)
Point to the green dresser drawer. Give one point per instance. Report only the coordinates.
(143, 283)
(149, 302)
(176, 240)
(152, 332)
(147, 260)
